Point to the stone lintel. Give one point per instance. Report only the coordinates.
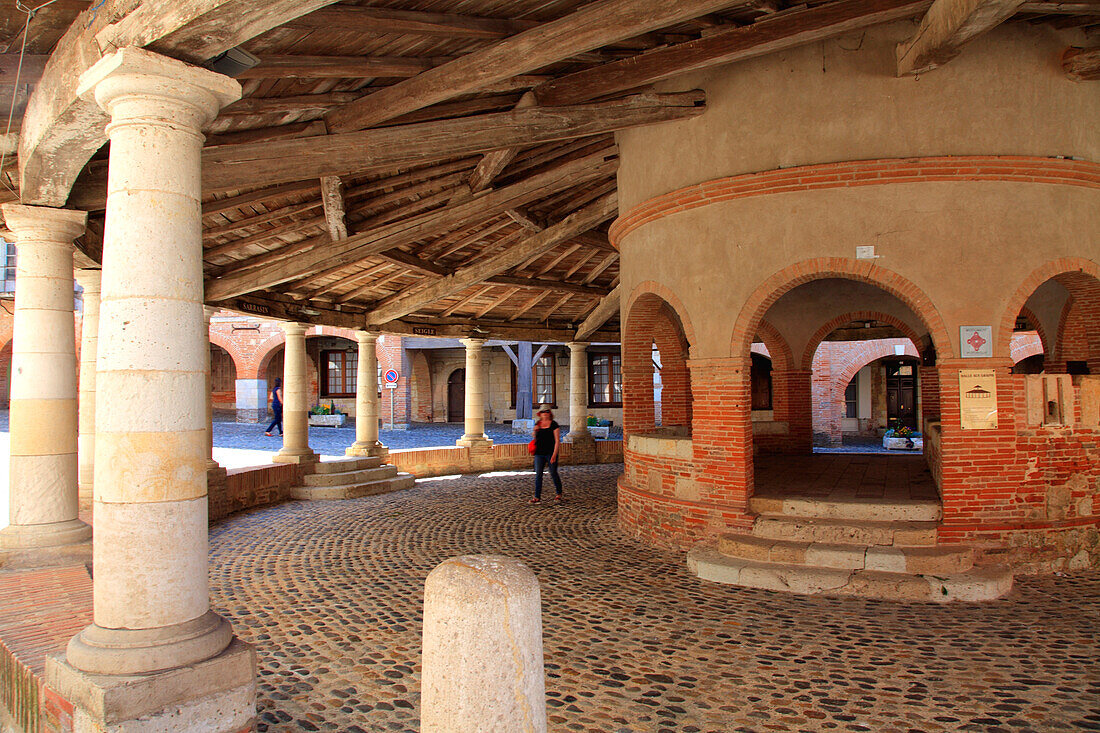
(112, 699)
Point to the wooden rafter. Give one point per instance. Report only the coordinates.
(474, 294)
(604, 310)
(946, 28)
(499, 301)
(385, 21)
(332, 197)
(531, 303)
(594, 25)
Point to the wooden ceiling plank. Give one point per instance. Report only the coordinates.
(294, 103)
(535, 300)
(273, 215)
(285, 66)
(359, 246)
(493, 163)
(604, 310)
(549, 284)
(219, 206)
(294, 227)
(498, 302)
(946, 28)
(769, 34)
(462, 302)
(358, 152)
(580, 264)
(409, 22)
(604, 264)
(363, 289)
(459, 280)
(554, 262)
(592, 26)
(555, 307)
(352, 280)
(266, 134)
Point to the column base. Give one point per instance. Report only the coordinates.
(474, 441)
(299, 457)
(53, 534)
(367, 450)
(582, 447)
(101, 651)
(249, 415)
(217, 695)
(32, 558)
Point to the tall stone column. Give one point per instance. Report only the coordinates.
(211, 464)
(151, 608)
(366, 399)
(43, 469)
(295, 399)
(89, 346)
(583, 449)
(475, 395)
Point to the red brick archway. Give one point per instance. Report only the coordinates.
(787, 279)
(653, 321)
(1016, 304)
(833, 324)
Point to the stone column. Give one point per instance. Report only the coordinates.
(295, 399)
(475, 396)
(583, 448)
(151, 599)
(43, 465)
(366, 399)
(483, 664)
(89, 347)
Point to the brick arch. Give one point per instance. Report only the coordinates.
(1076, 338)
(1019, 299)
(833, 324)
(1046, 343)
(229, 347)
(782, 282)
(651, 287)
(267, 349)
(652, 320)
(1026, 347)
(867, 356)
(779, 351)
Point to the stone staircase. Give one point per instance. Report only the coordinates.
(351, 478)
(871, 549)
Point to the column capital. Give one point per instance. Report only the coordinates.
(366, 337)
(293, 328)
(133, 83)
(89, 279)
(208, 312)
(578, 345)
(473, 343)
(44, 223)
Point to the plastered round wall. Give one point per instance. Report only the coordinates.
(951, 176)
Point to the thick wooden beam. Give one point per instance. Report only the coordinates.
(283, 105)
(604, 310)
(1082, 64)
(338, 67)
(493, 163)
(218, 206)
(228, 167)
(265, 134)
(458, 281)
(946, 28)
(332, 197)
(379, 21)
(365, 244)
(769, 34)
(273, 215)
(594, 25)
(548, 284)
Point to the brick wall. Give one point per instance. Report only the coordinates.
(247, 488)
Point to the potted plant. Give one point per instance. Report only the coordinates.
(327, 416)
(903, 438)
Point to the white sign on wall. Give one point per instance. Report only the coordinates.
(976, 342)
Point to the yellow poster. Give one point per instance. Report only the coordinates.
(978, 399)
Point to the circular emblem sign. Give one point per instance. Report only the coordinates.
(391, 375)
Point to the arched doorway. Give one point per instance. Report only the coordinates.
(456, 396)
(223, 379)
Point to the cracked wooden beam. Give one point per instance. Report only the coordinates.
(946, 28)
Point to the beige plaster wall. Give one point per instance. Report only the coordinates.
(839, 100)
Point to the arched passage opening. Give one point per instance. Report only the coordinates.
(223, 379)
(655, 350)
(456, 396)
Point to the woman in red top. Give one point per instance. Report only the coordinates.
(547, 442)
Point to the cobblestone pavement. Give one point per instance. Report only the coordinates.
(331, 594)
(333, 441)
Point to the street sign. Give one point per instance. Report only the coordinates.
(391, 376)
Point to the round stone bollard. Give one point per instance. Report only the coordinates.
(482, 663)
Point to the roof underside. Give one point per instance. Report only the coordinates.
(275, 245)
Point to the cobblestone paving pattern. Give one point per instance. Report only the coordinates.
(331, 594)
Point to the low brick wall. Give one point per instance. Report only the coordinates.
(428, 462)
(246, 488)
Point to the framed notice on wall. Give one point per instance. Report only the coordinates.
(978, 399)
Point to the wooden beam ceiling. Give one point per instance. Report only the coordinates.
(232, 166)
(592, 26)
(946, 28)
(355, 19)
(601, 314)
(769, 34)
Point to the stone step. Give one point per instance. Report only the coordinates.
(869, 510)
(342, 465)
(845, 532)
(937, 560)
(350, 477)
(976, 584)
(354, 491)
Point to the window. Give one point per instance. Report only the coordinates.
(542, 383)
(605, 380)
(338, 373)
(760, 378)
(8, 254)
(851, 399)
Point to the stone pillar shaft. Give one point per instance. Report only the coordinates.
(207, 313)
(578, 390)
(151, 601)
(475, 394)
(89, 347)
(366, 398)
(43, 464)
(295, 398)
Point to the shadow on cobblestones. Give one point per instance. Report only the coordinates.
(331, 594)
